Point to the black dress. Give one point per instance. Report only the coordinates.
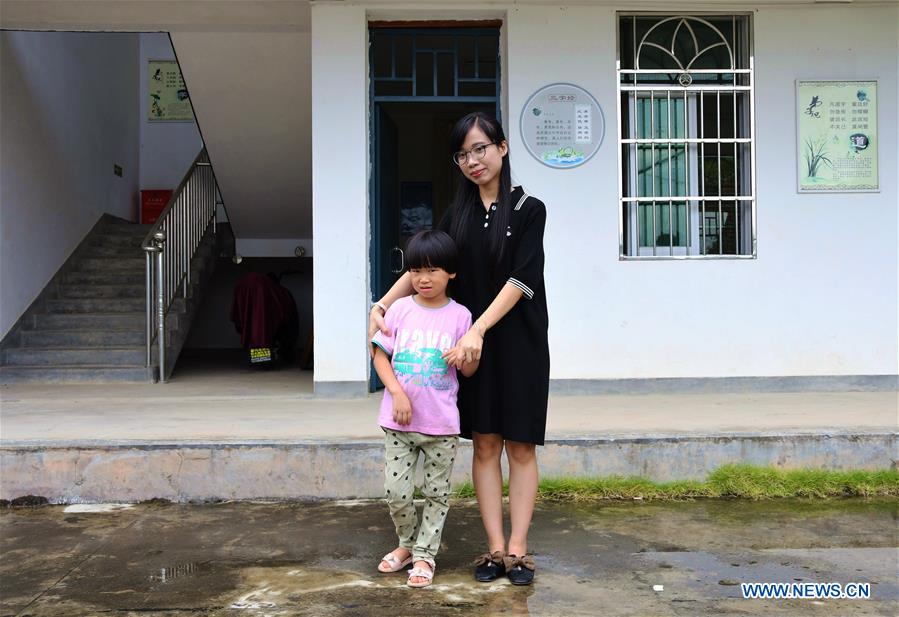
(508, 393)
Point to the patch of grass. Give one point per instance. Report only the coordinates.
(730, 481)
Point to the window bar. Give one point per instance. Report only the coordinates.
(392, 57)
(477, 58)
(670, 193)
(455, 66)
(434, 66)
(720, 229)
(635, 62)
(652, 164)
(687, 188)
(636, 172)
(701, 171)
(752, 188)
(736, 178)
(414, 65)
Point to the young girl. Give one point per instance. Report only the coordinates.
(418, 412)
(499, 232)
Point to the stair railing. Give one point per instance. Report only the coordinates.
(170, 246)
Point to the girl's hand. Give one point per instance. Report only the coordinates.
(402, 409)
(467, 349)
(375, 322)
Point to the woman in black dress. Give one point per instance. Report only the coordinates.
(499, 231)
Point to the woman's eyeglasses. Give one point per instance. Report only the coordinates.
(477, 153)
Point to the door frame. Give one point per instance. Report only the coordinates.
(485, 28)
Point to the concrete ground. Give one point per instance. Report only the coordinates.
(221, 431)
(318, 559)
(204, 402)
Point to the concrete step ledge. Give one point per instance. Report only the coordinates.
(75, 356)
(134, 263)
(83, 338)
(95, 305)
(102, 277)
(83, 321)
(101, 290)
(92, 472)
(87, 374)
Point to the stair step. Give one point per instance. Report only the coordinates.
(96, 305)
(76, 374)
(73, 356)
(113, 252)
(85, 338)
(100, 277)
(123, 226)
(85, 321)
(101, 291)
(115, 241)
(136, 264)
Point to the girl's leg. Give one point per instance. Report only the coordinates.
(522, 459)
(439, 454)
(401, 454)
(487, 476)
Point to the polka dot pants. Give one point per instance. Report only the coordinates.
(402, 450)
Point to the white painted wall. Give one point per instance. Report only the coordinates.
(821, 299)
(67, 115)
(166, 148)
(340, 192)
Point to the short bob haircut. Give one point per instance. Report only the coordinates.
(432, 248)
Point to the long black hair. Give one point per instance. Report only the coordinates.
(468, 198)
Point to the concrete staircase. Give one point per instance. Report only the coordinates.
(89, 323)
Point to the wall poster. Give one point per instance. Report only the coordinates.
(562, 125)
(168, 101)
(836, 136)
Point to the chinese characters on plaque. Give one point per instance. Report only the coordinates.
(562, 125)
(837, 136)
(169, 101)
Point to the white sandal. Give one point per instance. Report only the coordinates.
(428, 575)
(393, 562)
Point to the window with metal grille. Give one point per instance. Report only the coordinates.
(437, 64)
(686, 137)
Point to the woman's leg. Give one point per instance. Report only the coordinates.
(522, 459)
(487, 475)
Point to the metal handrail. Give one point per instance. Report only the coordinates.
(170, 246)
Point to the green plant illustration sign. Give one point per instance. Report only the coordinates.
(168, 98)
(837, 136)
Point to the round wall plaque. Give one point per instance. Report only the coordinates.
(562, 125)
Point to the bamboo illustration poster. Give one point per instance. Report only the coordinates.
(837, 136)
(168, 101)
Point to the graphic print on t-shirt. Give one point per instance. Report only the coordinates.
(418, 360)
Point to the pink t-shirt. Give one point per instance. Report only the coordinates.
(419, 336)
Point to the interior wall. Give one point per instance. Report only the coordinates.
(212, 327)
(67, 116)
(166, 148)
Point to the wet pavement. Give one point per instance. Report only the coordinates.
(608, 558)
